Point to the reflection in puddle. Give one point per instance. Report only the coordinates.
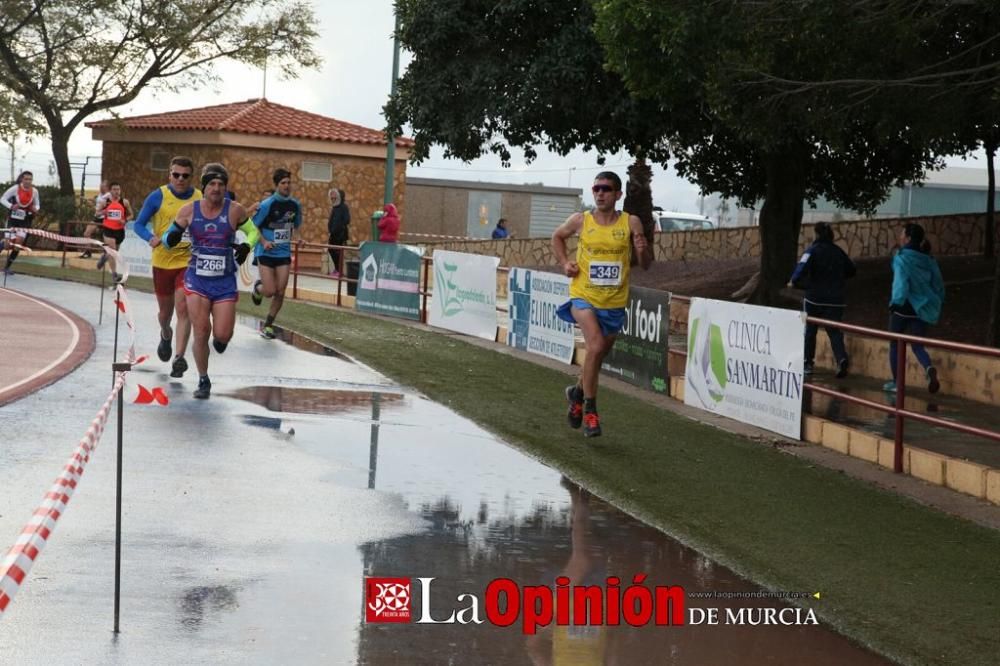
(588, 542)
(296, 340)
(312, 401)
(199, 601)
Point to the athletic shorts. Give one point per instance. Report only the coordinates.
(117, 234)
(19, 224)
(215, 289)
(612, 320)
(168, 280)
(271, 262)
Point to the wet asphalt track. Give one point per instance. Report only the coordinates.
(245, 543)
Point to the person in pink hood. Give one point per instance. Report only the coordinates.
(388, 226)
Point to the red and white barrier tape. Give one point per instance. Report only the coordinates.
(77, 240)
(407, 233)
(17, 563)
(15, 566)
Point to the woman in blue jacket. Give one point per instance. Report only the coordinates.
(917, 296)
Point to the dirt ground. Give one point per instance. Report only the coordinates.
(964, 318)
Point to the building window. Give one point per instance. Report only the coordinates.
(319, 172)
(160, 161)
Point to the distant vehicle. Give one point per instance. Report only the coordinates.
(667, 221)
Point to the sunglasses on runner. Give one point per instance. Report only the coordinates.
(602, 188)
(180, 175)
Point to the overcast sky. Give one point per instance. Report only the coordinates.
(352, 85)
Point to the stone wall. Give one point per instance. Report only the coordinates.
(250, 169)
(949, 235)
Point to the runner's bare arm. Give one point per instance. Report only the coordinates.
(571, 226)
(642, 249)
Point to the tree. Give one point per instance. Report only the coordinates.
(16, 123)
(487, 76)
(68, 59)
(746, 142)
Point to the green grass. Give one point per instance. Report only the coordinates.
(911, 582)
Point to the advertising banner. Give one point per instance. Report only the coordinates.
(745, 362)
(465, 293)
(534, 297)
(139, 256)
(389, 283)
(640, 352)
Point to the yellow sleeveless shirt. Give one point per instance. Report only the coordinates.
(160, 222)
(603, 255)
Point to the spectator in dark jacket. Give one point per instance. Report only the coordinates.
(337, 227)
(501, 229)
(823, 272)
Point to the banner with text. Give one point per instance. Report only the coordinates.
(465, 293)
(389, 282)
(533, 297)
(139, 256)
(640, 352)
(745, 362)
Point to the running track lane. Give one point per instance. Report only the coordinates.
(40, 344)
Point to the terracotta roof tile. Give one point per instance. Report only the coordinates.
(256, 116)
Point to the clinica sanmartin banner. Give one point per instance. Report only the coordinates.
(745, 362)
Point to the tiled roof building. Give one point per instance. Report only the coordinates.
(252, 138)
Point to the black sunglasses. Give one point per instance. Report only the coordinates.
(602, 188)
(180, 175)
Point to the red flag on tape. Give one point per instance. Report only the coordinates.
(145, 397)
(160, 397)
(120, 303)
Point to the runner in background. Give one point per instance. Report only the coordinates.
(277, 217)
(116, 211)
(21, 202)
(100, 201)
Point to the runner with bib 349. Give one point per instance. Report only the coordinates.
(599, 288)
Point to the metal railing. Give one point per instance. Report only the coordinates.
(897, 410)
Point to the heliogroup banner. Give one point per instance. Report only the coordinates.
(533, 297)
(389, 283)
(465, 293)
(745, 362)
(640, 352)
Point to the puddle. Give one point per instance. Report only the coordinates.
(199, 602)
(587, 541)
(295, 339)
(291, 400)
(926, 436)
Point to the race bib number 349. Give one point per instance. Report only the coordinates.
(605, 273)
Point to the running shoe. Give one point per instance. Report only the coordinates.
(164, 349)
(807, 368)
(574, 416)
(933, 385)
(103, 260)
(85, 255)
(268, 332)
(591, 425)
(204, 389)
(255, 294)
(842, 366)
(178, 368)
(889, 387)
